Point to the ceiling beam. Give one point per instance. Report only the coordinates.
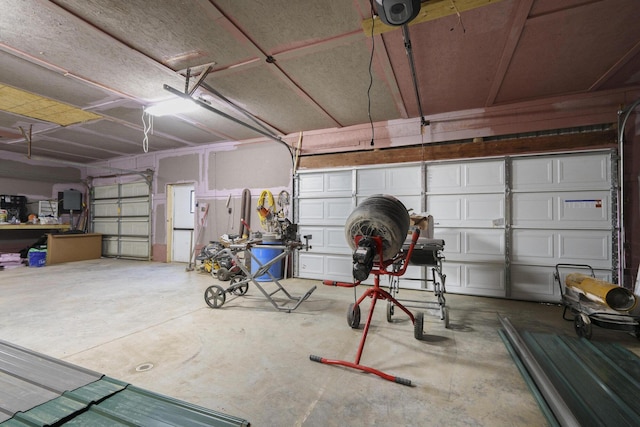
(635, 50)
(429, 11)
(518, 21)
(269, 59)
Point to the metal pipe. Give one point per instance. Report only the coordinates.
(553, 398)
(621, 240)
(227, 116)
(408, 48)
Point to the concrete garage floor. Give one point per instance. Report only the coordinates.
(245, 359)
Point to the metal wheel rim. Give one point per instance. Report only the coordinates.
(214, 296)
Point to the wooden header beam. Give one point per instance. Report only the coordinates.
(429, 11)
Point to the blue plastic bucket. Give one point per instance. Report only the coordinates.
(264, 255)
(37, 257)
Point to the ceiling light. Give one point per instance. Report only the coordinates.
(171, 106)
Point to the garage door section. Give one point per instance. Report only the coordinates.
(122, 214)
(562, 212)
(467, 202)
(324, 201)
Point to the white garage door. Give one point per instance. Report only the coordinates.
(122, 214)
(506, 222)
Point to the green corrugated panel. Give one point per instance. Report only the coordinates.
(145, 408)
(66, 406)
(594, 386)
(97, 390)
(50, 412)
(109, 402)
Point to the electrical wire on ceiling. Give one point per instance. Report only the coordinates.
(373, 45)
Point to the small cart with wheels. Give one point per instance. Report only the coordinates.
(588, 308)
(215, 295)
(426, 252)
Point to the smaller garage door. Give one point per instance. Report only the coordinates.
(122, 214)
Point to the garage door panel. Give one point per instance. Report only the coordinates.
(473, 210)
(393, 180)
(336, 211)
(533, 246)
(134, 189)
(584, 171)
(475, 279)
(531, 209)
(484, 244)
(338, 182)
(444, 178)
(135, 208)
(487, 278)
(331, 211)
(310, 183)
(328, 239)
(484, 176)
(132, 227)
(533, 173)
(484, 208)
(579, 247)
(106, 192)
(404, 180)
(105, 208)
(446, 210)
(534, 283)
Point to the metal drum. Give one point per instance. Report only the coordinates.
(383, 216)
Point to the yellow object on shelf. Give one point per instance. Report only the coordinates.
(602, 292)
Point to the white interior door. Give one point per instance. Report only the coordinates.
(183, 222)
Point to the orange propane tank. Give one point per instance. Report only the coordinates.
(602, 292)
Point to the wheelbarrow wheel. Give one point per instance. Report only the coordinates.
(582, 325)
(418, 326)
(389, 311)
(239, 289)
(214, 296)
(353, 316)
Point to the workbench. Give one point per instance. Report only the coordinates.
(15, 237)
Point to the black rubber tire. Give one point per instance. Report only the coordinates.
(214, 296)
(418, 325)
(241, 289)
(223, 274)
(582, 325)
(353, 316)
(389, 311)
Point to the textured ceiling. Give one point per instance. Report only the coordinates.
(294, 65)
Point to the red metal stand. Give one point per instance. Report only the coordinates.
(375, 293)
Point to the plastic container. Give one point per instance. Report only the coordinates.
(264, 255)
(37, 257)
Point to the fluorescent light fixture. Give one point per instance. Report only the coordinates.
(171, 106)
